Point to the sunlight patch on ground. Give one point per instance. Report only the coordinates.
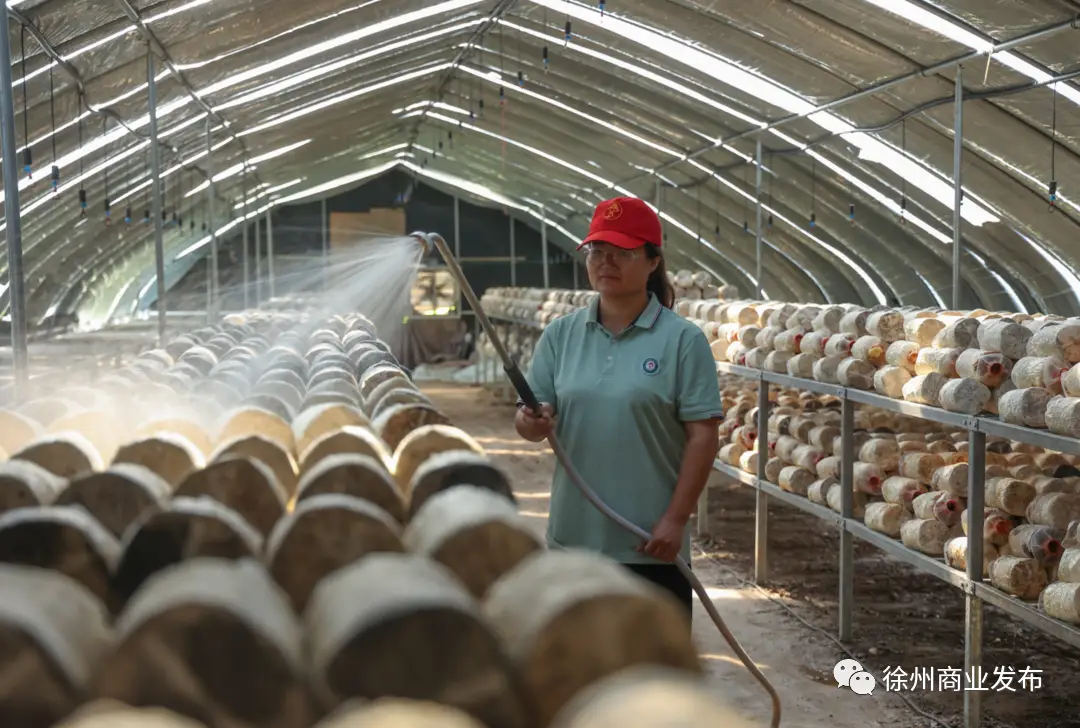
(730, 660)
(527, 453)
(717, 594)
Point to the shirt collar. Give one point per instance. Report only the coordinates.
(646, 320)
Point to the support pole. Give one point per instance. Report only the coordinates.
(760, 245)
(544, 245)
(155, 172)
(12, 220)
(575, 264)
(212, 286)
(270, 252)
(958, 189)
(761, 500)
(513, 253)
(973, 606)
(847, 503)
(244, 213)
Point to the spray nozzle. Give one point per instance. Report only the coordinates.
(425, 241)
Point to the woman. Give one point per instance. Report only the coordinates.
(630, 390)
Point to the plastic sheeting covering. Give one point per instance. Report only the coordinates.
(326, 90)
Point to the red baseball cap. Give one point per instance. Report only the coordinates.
(625, 222)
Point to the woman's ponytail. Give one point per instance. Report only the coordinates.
(658, 283)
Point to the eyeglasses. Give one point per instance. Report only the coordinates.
(594, 254)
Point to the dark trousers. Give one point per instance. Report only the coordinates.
(667, 576)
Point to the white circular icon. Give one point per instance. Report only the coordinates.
(863, 683)
(844, 670)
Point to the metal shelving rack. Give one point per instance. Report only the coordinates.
(976, 591)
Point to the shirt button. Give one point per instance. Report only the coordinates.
(609, 358)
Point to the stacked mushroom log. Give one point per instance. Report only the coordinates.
(696, 285)
(535, 306)
(266, 520)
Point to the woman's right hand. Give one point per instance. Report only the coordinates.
(534, 427)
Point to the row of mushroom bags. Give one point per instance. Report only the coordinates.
(911, 483)
(1021, 367)
(265, 521)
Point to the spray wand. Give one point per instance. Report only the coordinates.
(517, 379)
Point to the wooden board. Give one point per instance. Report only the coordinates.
(347, 228)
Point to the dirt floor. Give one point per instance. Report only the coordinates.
(902, 618)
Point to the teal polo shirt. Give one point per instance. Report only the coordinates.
(621, 400)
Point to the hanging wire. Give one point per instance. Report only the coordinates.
(28, 157)
(502, 102)
(698, 191)
(718, 193)
(105, 135)
(545, 51)
(1053, 152)
(164, 198)
(82, 183)
(770, 220)
(480, 86)
(851, 203)
(502, 68)
(52, 115)
(813, 193)
(663, 205)
(569, 30)
(746, 201)
(130, 184)
(178, 193)
(521, 72)
(148, 190)
(903, 180)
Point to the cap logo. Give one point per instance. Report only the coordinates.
(650, 366)
(613, 211)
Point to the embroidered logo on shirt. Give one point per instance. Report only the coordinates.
(650, 366)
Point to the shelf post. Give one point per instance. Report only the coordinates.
(761, 501)
(973, 607)
(847, 502)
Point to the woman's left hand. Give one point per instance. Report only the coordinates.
(667, 538)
